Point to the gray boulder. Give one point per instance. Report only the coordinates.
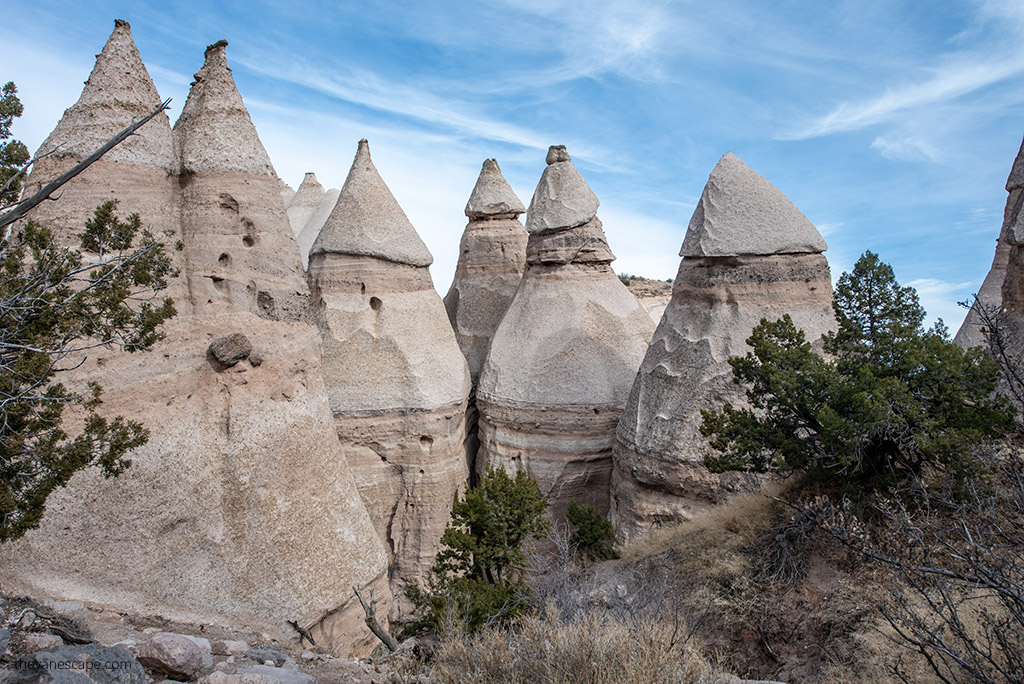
(79, 665)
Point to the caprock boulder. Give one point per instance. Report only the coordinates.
(240, 510)
(990, 295)
(398, 382)
(748, 254)
(564, 356)
(492, 255)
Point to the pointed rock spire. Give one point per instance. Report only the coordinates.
(562, 198)
(214, 131)
(304, 203)
(492, 195)
(740, 213)
(119, 90)
(368, 221)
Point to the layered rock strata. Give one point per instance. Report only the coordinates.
(304, 203)
(240, 510)
(492, 255)
(990, 296)
(748, 254)
(316, 223)
(564, 356)
(397, 381)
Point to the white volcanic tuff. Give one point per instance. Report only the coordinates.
(307, 236)
(565, 353)
(716, 301)
(740, 212)
(214, 131)
(118, 90)
(304, 203)
(235, 456)
(231, 214)
(368, 221)
(397, 381)
(492, 255)
(990, 295)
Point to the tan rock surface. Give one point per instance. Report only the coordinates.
(316, 223)
(492, 255)
(397, 381)
(565, 354)
(304, 203)
(240, 510)
(990, 295)
(659, 473)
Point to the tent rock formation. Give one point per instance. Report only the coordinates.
(748, 254)
(397, 381)
(240, 509)
(565, 353)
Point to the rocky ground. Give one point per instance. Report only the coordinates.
(68, 641)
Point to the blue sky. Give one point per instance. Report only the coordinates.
(892, 125)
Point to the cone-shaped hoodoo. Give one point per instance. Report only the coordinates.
(304, 203)
(748, 254)
(566, 351)
(398, 382)
(215, 521)
(990, 296)
(492, 255)
(230, 204)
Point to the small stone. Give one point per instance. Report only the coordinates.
(41, 642)
(175, 655)
(80, 663)
(204, 647)
(557, 153)
(231, 349)
(28, 618)
(255, 360)
(306, 655)
(267, 655)
(228, 647)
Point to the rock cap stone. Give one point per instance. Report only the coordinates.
(368, 221)
(119, 90)
(741, 213)
(562, 199)
(492, 195)
(214, 131)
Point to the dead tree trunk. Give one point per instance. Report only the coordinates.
(371, 621)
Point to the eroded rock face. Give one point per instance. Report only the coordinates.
(240, 509)
(304, 203)
(492, 255)
(990, 295)
(565, 353)
(316, 223)
(717, 300)
(397, 381)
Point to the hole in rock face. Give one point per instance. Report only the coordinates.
(375, 303)
(362, 288)
(248, 241)
(422, 471)
(224, 259)
(426, 442)
(596, 412)
(228, 202)
(384, 459)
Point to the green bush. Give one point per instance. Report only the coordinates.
(594, 536)
(890, 399)
(477, 576)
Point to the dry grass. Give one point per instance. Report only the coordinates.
(593, 649)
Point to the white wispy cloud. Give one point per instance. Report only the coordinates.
(939, 298)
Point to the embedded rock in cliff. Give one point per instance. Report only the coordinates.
(240, 509)
(397, 381)
(722, 290)
(565, 353)
(316, 223)
(990, 295)
(492, 254)
(304, 203)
